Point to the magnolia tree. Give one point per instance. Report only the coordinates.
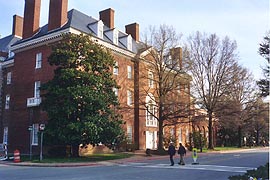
(79, 100)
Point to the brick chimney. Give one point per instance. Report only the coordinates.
(57, 14)
(17, 28)
(133, 30)
(176, 54)
(107, 16)
(31, 17)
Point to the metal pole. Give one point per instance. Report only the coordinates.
(30, 143)
(41, 146)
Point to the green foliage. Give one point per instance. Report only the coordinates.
(79, 100)
(261, 172)
(198, 140)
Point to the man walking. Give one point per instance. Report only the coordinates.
(182, 152)
(171, 152)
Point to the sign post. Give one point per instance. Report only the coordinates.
(30, 129)
(195, 156)
(41, 128)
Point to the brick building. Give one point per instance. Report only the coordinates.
(27, 68)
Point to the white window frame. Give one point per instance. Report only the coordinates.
(100, 29)
(151, 79)
(37, 89)
(116, 90)
(151, 111)
(5, 135)
(116, 68)
(38, 60)
(129, 72)
(35, 129)
(187, 134)
(115, 36)
(9, 78)
(180, 135)
(7, 102)
(129, 98)
(129, 134)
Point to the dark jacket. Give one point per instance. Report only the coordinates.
(171, 150)
(182, 150)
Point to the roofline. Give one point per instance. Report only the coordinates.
(58, 34)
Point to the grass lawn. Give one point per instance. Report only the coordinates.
(89, 158)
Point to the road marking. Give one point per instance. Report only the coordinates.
(189, 167)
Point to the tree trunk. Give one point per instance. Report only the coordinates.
(160, 136)
(75, 150)
(239, 136)
(210, 129)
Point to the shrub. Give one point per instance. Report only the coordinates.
(261, 172)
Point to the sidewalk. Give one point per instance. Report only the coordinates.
(137, 157)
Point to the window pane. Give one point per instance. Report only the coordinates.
(35, 134)
(7, 101)
(38, 60)
(9, 78)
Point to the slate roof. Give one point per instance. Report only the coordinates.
(81, 22)
(6, 42)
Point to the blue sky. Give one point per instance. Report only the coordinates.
(245, 21)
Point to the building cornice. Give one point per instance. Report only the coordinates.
(8, 63)
(52, 37)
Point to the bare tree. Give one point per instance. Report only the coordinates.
(168, 85)
(234, 109)
(212, 62)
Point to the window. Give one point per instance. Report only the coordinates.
(100, 29)
(35, 134)
(129, 71)
(180, 135)
(38, 60)
(5, 135)
(7, 101)
(150, 115)
(129, 98)
(115, 90)
(115, 68)
(129, 134)
(151, 79)
(187, 134)
(37, 89)
(172, 132)
(151, 111)
(129, 43)
(178, 87)
(9, 78)
(115, 37)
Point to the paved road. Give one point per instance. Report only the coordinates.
(212, 166)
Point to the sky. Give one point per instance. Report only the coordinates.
(245, 21)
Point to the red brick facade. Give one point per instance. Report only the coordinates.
(20, 115)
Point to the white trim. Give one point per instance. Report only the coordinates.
(54, 36)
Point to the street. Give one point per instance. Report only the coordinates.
(212, 166)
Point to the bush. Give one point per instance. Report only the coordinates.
(261, 172)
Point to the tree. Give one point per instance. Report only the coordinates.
(234, 110)
(79, 100)
(264, 51)
(212, 62)
(166, 81)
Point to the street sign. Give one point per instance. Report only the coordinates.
(41, 127)
(30, 128)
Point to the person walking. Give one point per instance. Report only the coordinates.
(171, 152)
(182, 152)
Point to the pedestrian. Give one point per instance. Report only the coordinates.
(171, 152)
(182, 152)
